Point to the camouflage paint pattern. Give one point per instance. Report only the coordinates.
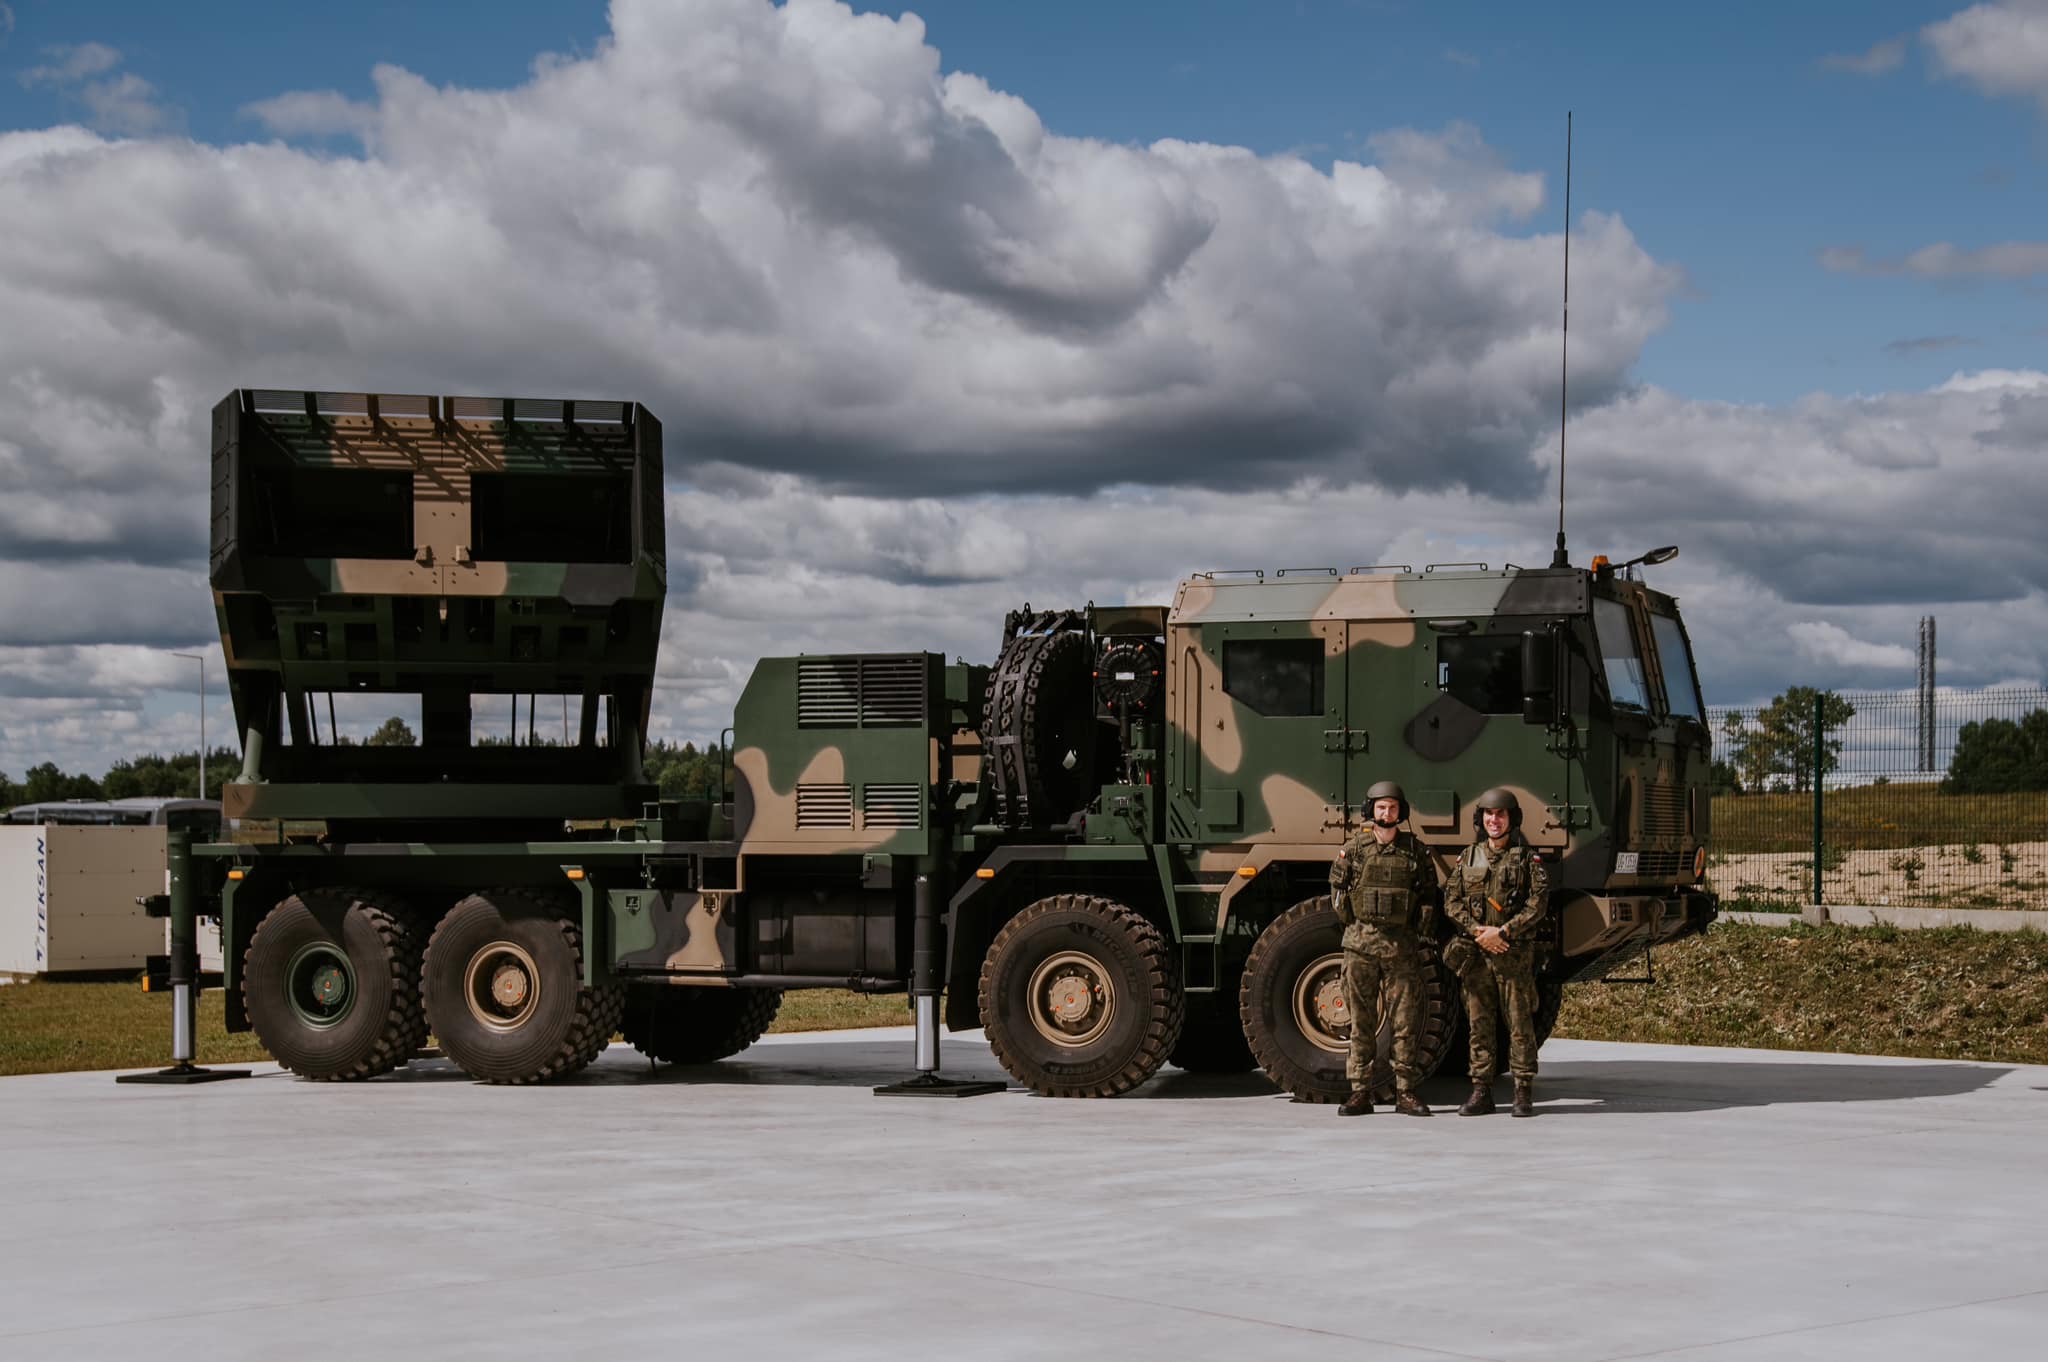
(1252, 789)
(1508, 889)
(441, 547)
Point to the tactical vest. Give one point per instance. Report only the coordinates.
(1383, 891)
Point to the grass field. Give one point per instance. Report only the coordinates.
(1948, 994)
(52, 1027)
(1877, 817)
(1953, 994)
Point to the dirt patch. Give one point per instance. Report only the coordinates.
(2010, 875)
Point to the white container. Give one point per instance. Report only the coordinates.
(67, 898)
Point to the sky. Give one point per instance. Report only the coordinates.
(949, 309)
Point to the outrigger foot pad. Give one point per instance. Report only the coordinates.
(182, 1073)
(931, 1085)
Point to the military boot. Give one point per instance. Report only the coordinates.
(1480, 1103)
(1525, 1097)
(1359, 1103)
(1408, 1104)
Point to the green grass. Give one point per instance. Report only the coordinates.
(1868, 817)
(1953, 993)
(1948, 994)
(55, 1026)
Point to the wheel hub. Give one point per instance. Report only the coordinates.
(501, 985)
(320, 984)
(1071, 999)
(1320, 1009)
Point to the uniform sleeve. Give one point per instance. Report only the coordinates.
(1534, 904)
(1342, 872)
(1456, 907)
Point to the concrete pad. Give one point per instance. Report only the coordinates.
(1705, 1203)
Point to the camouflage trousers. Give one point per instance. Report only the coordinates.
(1496, 987)
(1382, 979)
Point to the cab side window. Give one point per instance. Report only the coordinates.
(1278, 677)
(1485, 671)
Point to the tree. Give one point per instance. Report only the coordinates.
(1789, 722)
(1723, 779)
(10, 793)
(46, 783)
(1998, 756)
(173, 777)
(393, 732)
(1778, 750)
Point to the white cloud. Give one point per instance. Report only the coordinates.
(2001, 48)
(1829, 643)
(919, 359)
(2003, 260)
(116, 101)
(1880, 59)
(314, 113)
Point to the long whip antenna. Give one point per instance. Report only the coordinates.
(1560, 559)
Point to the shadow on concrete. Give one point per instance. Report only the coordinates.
(1564, 1087)
(1590, 1087)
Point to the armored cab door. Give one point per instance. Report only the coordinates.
(1259, 743)
(1387, 682)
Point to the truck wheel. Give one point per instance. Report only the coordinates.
(1212, 1040)
(1293, 1009)
(503, 980)
(1080, 998)
(330, 983)
(682, 1024)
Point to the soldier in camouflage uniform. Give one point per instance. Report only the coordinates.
(1496, 898)
(1383, 882)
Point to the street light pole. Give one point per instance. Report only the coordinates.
(200, 658)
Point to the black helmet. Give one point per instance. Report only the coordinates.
(1499, 797)
(1386, 789)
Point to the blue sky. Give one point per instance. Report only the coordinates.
(1722, 135)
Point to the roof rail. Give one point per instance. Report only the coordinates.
(1381, 567)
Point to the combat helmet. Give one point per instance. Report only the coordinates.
(1386, 789)
(1499, 797)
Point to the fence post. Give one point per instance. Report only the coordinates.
(1820, 700)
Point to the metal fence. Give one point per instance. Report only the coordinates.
(1908, 799)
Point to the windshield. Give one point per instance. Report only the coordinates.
(1679, 690)
(1618, 655)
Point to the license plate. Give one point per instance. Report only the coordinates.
(1625, 862)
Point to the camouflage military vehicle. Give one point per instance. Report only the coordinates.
(1110, 847)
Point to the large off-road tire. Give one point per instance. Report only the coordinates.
(681, 1024)
(1292, 1004)
(1080, 997)
(1212, 1039)
(331, 984)
(503, 983)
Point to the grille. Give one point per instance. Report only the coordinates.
(827, 692)
(824, 806)
(1663, 810)
(892, 806)
(859, 691)
(892, 690)
(1663, 864)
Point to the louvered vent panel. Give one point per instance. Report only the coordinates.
(827, 692)
(892, 806)
(1663, 810)
(824, 806)
(892, 690)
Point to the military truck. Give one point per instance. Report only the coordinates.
(1109, 847)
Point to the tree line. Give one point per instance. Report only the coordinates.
(1773, 749)
(681, 770)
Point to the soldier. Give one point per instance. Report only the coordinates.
(1383, 882)
(1496, 899)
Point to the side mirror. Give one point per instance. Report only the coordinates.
(1539, 678)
